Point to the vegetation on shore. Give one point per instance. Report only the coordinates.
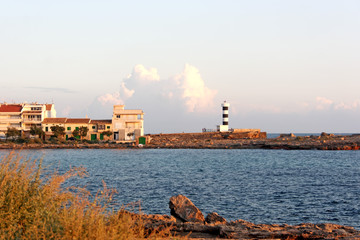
(35, 205)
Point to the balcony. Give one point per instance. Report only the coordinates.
(32, 120)
(5, 127)
(10, 120)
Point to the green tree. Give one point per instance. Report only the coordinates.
(12, 133)
(34, 130)
(76, 133)
(107, 133)
(83, 131)
(58, 131)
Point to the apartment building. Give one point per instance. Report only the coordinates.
(33, 114)
(23, 116)
(128, 124)
(10, 117)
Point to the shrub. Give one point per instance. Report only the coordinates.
(36, 206)
(38, 141)
(54, 140)
(22, 140)
(12, 133)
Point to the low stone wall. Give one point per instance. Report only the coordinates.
(206, 136)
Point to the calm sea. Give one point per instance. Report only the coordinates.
(261, 186)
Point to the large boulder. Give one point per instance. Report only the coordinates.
(184, 210)
(215, 218)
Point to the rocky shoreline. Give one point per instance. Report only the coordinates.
(227, 141)
(187, 220)
(212, 141)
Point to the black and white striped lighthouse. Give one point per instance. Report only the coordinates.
(225, 117)
(225, 108)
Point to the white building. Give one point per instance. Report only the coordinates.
(127, 124)
(10, 117)
(33, 114)
(23, 116)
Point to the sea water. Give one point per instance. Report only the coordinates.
(261, 186)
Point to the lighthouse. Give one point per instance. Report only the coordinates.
(225, 117)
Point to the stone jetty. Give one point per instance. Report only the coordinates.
(187, 220)
(219, 140)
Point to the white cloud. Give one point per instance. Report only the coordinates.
(138, 76)
(116, 98)
(143, 75)
(197, 96)
(323, 103)
(185, 89)
(110, 99)
(126, 93)
(350, 106)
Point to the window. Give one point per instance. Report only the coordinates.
(77, 128)
(46, 129)
(68, 128)
(36, 109)
(118, 116)
(93, 127)
(33, 118)
(101, 127)
(108, 127)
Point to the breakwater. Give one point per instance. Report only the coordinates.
(254, 141)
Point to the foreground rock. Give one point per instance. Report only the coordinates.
(184, 210)
(188, 222)
(215, 218)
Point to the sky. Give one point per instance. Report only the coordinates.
(284, 66)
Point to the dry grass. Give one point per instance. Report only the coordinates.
(36, 206)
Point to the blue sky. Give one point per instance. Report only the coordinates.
(284, 66)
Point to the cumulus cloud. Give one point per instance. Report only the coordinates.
(143, 75)
(110, 98)
(116, 98)
(144, 85)
(347, 106)
(196, 95)
(323, 103)
(126, 93)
